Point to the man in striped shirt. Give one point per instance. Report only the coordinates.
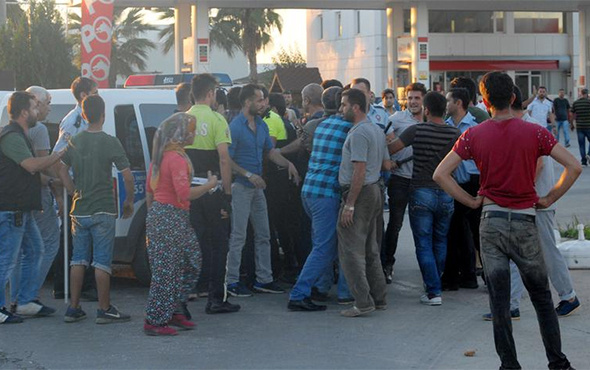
(430, 207)
(581, 111)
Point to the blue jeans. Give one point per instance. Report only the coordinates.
(430, 218)
(15, 240)
(583, 135)
(48, 225)
(317, 270)
(565, 125)
(93, 237)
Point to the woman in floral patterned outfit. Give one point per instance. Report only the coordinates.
(173, 249)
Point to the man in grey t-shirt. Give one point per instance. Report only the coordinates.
(364, 155)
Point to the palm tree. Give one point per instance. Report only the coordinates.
(129, 50)
(246, 30)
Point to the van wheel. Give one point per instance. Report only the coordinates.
(141, 264)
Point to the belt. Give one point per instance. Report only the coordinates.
(510, 216)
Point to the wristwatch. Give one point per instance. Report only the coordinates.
(50, 182)
(248, 174)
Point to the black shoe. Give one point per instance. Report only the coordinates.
(223, 307)
(305, 305)
(450, 286)
(316, 295)
(388, 272)
(469, 284)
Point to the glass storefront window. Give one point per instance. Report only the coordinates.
(538, 22)
(465, 21)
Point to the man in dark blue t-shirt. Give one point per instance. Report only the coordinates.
(561, 106)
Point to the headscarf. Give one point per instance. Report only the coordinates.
(171, 136)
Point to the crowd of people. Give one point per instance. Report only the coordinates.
(246, 193)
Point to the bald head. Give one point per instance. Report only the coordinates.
(312, 97)
(43, 101)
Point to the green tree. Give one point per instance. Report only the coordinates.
(291, 58)
(34, 46)
(246, 30)
(129, 50)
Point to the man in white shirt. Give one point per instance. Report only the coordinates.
(541, 109)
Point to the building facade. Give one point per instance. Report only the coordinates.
(535, 48)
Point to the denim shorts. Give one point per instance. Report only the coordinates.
(93, 237)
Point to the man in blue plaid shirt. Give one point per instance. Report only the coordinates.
(321, 200)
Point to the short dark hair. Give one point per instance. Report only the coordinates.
(436, 103)
(248, 92)
(220, 97)
(361, 80)
(330, 83)
(93, 108)
(387, 91)
(233, 98)
(202, 84)
(19, 101)
(561, 89)
(459, 93)
(287, 92)
(355, 96)
(466, 83)
(517, 103)
(416, 86)
(542, 87)
(277, 100)
(82, 85)
(497, 89)
(183, 93)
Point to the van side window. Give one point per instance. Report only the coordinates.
(152, 115)
(127, 130)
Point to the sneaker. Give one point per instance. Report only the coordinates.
(316, 295)
(388, 272)
(110, 316)
(566, 308)
(514, 315)
(182, 322)
(34, 309)
(223, 307)
(271, 287)
(74, 314)
(7, 317)
(345, 301)
(238, 290)
(354, 311)
(431, 299)
(12, 308)
(153, 330)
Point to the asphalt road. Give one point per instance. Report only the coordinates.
(265, 335)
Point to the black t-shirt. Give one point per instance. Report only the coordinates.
(561, 106)
(431, 142)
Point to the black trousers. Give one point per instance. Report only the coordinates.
(213, 234)
(398, 191)
(463, 239)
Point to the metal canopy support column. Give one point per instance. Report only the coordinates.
(182, 30)
(584, 34)
(200, 32)
(420, 46)
(395, 29)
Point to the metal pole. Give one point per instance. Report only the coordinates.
(66, 248)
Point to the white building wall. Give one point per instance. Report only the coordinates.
(353, 54)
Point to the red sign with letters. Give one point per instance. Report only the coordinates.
(97, 30)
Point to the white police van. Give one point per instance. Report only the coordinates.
(133, 116)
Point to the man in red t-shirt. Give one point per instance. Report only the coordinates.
(505, 150)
